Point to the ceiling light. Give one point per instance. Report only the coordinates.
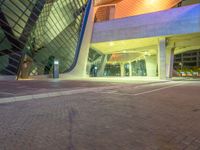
(151, 1)
(111, 43)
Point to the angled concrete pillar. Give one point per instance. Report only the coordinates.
(130, 69)
(162, 58)
(169, 62)
(102, 67)
(122, 70)
(151, 65)
(81, 65)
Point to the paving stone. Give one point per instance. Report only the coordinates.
(160, 120)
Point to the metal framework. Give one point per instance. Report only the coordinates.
(34, 32)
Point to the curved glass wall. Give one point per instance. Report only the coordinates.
(35, 32)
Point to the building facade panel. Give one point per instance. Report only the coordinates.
(34, 33)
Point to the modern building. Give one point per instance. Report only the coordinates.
(96, 37)
(189, 59)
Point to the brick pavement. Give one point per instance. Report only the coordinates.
(28, 87)
(163, 120)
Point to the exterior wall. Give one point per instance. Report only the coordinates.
(163, 23)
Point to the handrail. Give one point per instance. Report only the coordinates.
(77, 51)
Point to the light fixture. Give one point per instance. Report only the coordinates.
(151, 1)
(56, 62)
(111, 43)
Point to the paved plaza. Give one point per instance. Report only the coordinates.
(103, 116)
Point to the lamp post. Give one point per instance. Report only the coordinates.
(56, 69)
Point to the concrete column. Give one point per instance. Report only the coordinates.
(122, 70)
(151, 65)
(81, 65)
(102, 67)
(130, 69)
(162, 58)
(169, 62)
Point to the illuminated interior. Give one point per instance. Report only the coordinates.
(121, 55)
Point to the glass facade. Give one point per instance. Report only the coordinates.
(119, 66)
(35, 32)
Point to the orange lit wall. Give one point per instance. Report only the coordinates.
(127, 8)
(104, 2)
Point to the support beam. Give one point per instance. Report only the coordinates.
(186, 49)
(191, 41)
(162, 58)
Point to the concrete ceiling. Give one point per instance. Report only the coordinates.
(181, 43)
(126, 46)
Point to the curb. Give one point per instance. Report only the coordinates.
(51, 94)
